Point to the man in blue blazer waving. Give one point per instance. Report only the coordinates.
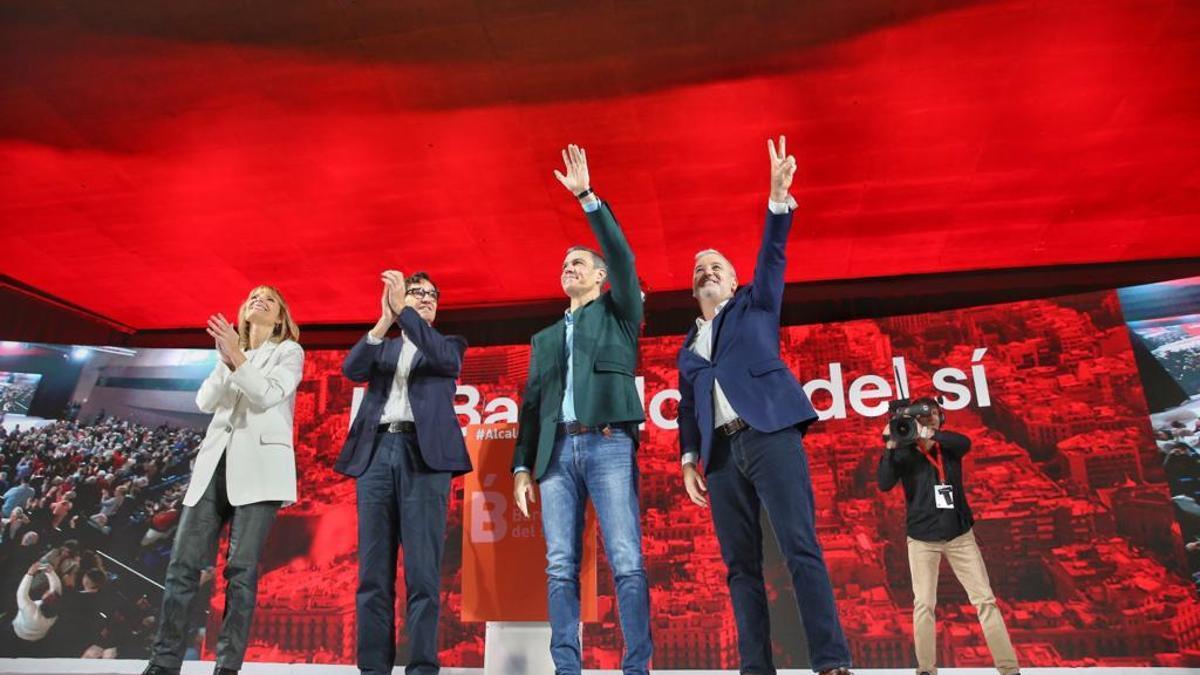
(742, 415)
(403, 448)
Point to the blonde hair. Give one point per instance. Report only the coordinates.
(286, 329)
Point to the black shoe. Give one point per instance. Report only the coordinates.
(218, 670)
(153, 669)
(837, 671)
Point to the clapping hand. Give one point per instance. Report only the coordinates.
(395, 290)
(390, 303)
(225, 336)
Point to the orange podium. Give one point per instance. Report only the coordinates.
(504, 553)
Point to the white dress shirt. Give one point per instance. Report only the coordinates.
(723, 412)
(398, 407)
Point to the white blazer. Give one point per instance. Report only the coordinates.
(252, 425)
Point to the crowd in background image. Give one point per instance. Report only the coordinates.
(1179, 443)
(87, 520)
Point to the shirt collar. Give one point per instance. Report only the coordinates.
(700, 320)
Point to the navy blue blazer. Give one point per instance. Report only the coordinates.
(759, 385)
(431, 386)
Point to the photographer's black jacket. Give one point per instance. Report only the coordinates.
(907, 465)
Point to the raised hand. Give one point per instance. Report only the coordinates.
(395, 291)
(386, 315)
(576, 179)
(225, 336)
(783, 169)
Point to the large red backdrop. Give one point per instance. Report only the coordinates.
(1074, 516)
(156, 160)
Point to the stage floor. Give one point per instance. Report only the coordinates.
(131, 667)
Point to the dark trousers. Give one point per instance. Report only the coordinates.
(400, 501)
(753, 469)
(194, 551)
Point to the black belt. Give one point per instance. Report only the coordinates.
(575, 428)
(398, 428)
(732, 427)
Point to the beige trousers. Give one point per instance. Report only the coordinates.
(924, 559)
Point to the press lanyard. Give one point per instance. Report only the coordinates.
(937, 463)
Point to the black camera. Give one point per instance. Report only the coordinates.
(903, 426)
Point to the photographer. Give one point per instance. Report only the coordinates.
(928, 462)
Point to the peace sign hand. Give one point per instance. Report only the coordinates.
(783, 169)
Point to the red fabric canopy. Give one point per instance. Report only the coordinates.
(158, 160)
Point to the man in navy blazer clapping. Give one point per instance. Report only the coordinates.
(742, 415)
(403, 448)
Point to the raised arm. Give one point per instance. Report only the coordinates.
(622, 273)
(893, 463)
(24, 602)
(213, 388)
(55, 582)
(443, 352)
(357, 364)
(953, 444)
(769, 269)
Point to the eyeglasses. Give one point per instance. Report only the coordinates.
(422, 293)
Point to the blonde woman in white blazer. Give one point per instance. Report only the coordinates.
(244, 471)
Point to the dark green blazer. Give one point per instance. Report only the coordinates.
(605, 353)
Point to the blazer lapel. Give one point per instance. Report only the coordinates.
(260, 358)
(691, 337)
(263, 355)
(550, 354)
(719, 322)
(418, 358)
(389, 357)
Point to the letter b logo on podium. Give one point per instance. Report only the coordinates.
(489, 514)
(504, 553)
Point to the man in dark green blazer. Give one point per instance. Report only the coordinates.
(578, 431)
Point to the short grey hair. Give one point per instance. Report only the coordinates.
(713, 251)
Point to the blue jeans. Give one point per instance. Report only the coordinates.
(400, 500)
(604, 468)
(749, 470)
